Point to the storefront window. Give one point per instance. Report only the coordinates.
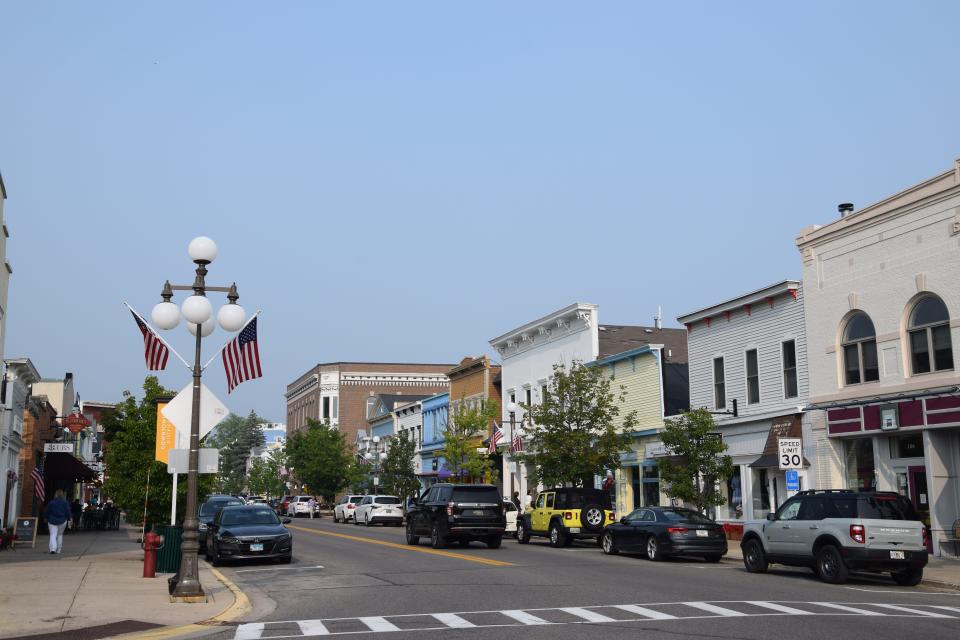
(651, 487)
(909, 446)
(735, 495)
(761, 493)
(860, 467)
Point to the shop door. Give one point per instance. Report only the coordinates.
(917, 477)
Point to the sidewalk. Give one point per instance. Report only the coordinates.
(939, 572)
(96, 582)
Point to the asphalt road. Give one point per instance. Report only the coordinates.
(364, 582)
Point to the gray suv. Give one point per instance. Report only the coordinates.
(836, 531)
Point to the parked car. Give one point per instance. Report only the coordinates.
(207, 511)
(299, 506)
(836, 531)
(284, 502)
(246, 532)
(511, 513)
(379, 510)
(255, 500)
(344, 509)
(461, 512)
(566, 514)
(666, 531)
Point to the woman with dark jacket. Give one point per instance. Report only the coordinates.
(57, 514)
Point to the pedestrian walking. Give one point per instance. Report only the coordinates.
(57, 514)
(76, 510)
(528, 501)
(312, 506)
(516, 501)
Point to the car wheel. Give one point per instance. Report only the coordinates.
(830, 565)
(592, 516)
(367, 520)
(608, 544)
(216, 560)
(908, 577)
(713, 557)
(653, 549)
(557, 537)
(523, 534)
(754, 559)
(437, 540)
(286, 559)
(412, 539)
(494, 542)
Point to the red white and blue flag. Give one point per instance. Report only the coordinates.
(495, 438)
(39, 489)
(155, 350)
(517, 445)
(241, 357)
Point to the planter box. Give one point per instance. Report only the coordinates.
(733, 530)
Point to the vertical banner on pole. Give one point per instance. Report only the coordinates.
(166, 434)
(173, 501)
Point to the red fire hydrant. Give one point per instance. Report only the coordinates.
(151, 544)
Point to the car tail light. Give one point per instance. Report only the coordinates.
(676, 529)
(925, 539)
(613, 516)
(858, 533)
(567, 515)
(449, 508)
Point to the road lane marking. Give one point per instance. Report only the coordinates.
(250, 631)
(393, 545)
(379, 623)
(524, 617)
(843, 607)
(319, 566)
(920, 612)
(953, 609)
(586, 614)
(712, 608)
(778, 607)
(643, 611)
(453, 621)
(313, 628)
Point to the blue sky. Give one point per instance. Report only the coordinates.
(403, 181)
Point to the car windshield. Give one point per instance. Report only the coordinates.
(356, 499)
(580, 499)
(886, 507)
(685, 515)
(387, 500)
(236, 517)
(477, 494)
(210, 508)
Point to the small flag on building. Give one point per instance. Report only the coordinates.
(495, 438)
(39, 489)
(241, 357)
(361, 459)
(516, 446)
(155, 350)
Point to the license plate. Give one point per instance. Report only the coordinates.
(701, 533)
(476, 512)
(897, 555)
(256, 546)
(574, 529)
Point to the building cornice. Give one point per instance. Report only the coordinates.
(735, 304)
(625, 355)
(577, 317)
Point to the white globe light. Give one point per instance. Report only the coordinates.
(166, 315)
(512, 407)
(376, 439)
(368, 455)
(383, 456)
(197, 309)
(231, 317)
(205, 329)
(202, 249)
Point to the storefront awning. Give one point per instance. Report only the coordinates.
(789, 426)
(64, 466)
(770, 460)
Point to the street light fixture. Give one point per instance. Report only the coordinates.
(375, 454)
(198, 312)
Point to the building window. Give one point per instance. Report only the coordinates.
(860, 350)
(789, 352)
(326, 409)
(719, 384)
(929, 333)
(528, 394)
(860, 465)
(543, 394)
(334, 407)
(908, 446)
(753, 377)
(371, 403)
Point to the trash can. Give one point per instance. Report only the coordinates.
(168, 557)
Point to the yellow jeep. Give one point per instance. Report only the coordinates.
(566, 514)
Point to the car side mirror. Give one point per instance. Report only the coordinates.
(286, 521)
(623, 520)
(771, 517)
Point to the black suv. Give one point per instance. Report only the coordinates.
(461, 512)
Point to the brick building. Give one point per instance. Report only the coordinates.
(39, 426)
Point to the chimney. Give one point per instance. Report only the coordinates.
(845, 208)
(658, 319)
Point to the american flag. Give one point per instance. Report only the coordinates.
(38, 487)
(361, 459)
(155, 352)
(517, 445)
(241, 357)
(495, 438)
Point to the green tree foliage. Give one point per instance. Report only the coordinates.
(267, 478)
(398, 470)
(693, 474)
(130, 431)
(574, 434)
(461, 438)
(235, 437)
(319, 458)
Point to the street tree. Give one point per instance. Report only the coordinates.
(463, 436)
(399, 470)
(320, 458)
(574, 433)
(267, 477)
(697, 464)
(235, 437)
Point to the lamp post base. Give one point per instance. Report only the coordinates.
(189, 599)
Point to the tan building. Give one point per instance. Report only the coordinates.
(345, 393)
(473, 381)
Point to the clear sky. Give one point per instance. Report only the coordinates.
(404, 181)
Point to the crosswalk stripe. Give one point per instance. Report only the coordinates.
(453, 621)
(778, 607)
(524, 617)
(929, 614)
(313, 628)
(712, 608)
(379, 623)
(249, 631)
(953, 609)
(843, 607)
(586, 614)
(647, 613)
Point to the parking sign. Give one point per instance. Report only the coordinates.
(793, 480)
(790, 453)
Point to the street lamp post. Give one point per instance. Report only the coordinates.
(375, 455)
(198, 313)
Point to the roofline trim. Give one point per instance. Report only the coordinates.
(760, 295)
(529, 326)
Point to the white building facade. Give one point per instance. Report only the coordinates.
(883, 321)
(19, 375)
(408, 419)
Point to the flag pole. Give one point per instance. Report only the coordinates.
(220, 350)
(159, 337)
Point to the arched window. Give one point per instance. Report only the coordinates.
(860, 350)
(929, 333)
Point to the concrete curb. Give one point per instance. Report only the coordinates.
(240, 606)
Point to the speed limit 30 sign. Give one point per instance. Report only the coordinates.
(790, 453)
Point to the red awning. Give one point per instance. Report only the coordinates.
(64, 466)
